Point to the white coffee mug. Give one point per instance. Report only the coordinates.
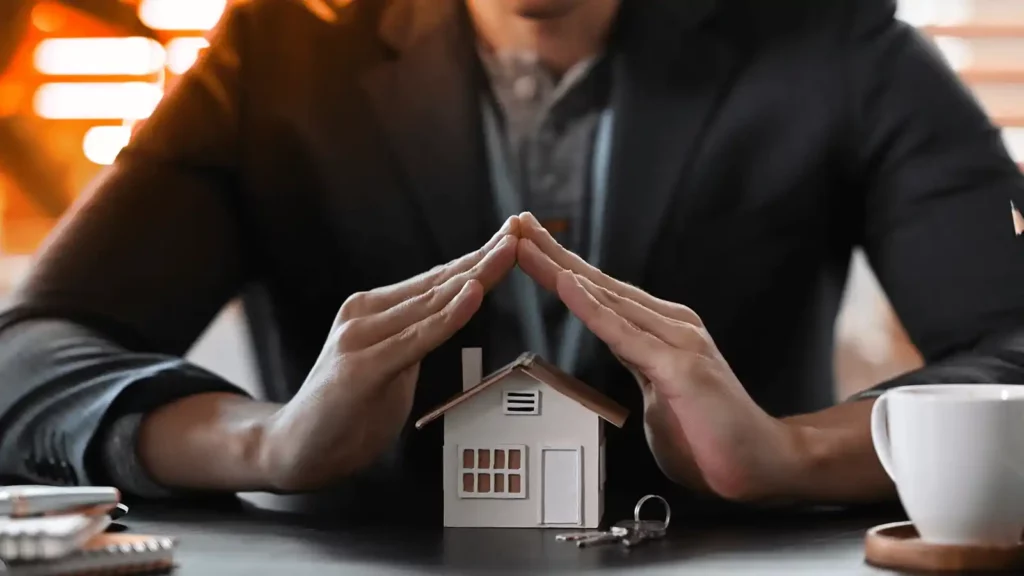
(956, 455)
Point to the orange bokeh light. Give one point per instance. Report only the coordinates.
(79, 139)
(48, 18)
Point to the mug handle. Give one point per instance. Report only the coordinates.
(880, 433)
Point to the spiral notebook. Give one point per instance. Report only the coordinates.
(106, 555)
(47, 537)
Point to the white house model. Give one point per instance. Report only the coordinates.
(524, 447)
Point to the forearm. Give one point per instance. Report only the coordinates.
(207, 442)
(64, 381)
(835, 458)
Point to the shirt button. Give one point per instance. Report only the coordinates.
(525, 87)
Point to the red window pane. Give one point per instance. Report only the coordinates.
(515, 459)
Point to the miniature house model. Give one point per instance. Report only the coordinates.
(524, 447)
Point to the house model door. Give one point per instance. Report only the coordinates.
(562, 485)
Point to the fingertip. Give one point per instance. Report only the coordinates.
(510, 227)
(528, 219)
(514, 225)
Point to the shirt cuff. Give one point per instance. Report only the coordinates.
(122, 463)
(868, 394)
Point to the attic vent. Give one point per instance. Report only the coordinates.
(521, 402)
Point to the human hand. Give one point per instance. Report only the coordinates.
(359, 393)
(702, 427)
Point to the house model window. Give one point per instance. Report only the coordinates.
(527, 402)
(492, 472)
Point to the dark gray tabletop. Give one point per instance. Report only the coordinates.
(243, 540)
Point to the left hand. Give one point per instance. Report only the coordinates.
(702, 427)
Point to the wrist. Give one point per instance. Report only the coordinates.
(776, 474)
(294, 454)
(832, 458)
(805, 456)
(208, 441)
(274, 455)
(120, 454)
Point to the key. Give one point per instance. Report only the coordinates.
(602, 538)
(628, 532)
(577, 536)
(633, 532)
(651, 528)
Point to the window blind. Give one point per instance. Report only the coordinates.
(983, 40)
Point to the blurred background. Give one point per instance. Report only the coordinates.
(76, 75)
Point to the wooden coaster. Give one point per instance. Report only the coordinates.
(897, 546)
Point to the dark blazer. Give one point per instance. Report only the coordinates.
(316, 151)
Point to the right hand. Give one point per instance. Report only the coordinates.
(359, 394)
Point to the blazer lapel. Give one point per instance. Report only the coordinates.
(670, 74)
(426, 99)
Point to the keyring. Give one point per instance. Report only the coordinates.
(639, 505)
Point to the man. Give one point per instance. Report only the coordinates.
(681, 185)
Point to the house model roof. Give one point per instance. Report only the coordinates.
(543, 371)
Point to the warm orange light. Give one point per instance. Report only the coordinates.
(182, 53)
(133, 56)
(102, 144)
(86, 101)
(181, 14)
(48, 17)
(10, 97)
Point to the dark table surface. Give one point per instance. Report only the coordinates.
(255, 541)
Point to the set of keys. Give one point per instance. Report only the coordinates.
(629, 533)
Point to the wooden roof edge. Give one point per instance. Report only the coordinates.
(589, 397)
(464, 395)
(547, 373)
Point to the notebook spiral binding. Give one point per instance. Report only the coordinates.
(139, 555)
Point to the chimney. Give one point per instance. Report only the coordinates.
(472, 367)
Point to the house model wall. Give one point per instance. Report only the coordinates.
(519, 452)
